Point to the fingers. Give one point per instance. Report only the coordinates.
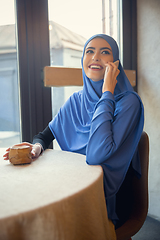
(110, 76)
(112, 68)
(36, 150)
(6, 155)
(24, 144)
(8, 149)
(34, 153)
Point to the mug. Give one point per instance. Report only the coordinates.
(20, 154)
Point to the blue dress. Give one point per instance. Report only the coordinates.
(105, 127)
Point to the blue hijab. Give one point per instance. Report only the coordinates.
(72, 126)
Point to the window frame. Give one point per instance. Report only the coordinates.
(129, 23)
(33, 56)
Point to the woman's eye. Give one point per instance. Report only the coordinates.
(105, 52)
(89, 51)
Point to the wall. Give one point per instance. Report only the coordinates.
(148, 16)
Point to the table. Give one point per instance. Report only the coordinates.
(56, 197)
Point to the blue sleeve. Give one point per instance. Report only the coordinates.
(112, 127)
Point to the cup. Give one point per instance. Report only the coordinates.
(20, 154)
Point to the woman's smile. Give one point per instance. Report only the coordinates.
(94, 66)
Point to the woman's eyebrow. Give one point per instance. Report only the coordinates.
(90, 48)
(105, 48)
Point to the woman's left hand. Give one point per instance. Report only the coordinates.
(110, 76)
(36, 149)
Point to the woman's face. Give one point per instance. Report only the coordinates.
(97, 54)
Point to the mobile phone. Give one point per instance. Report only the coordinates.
(116, 63)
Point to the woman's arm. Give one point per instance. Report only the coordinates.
(40, 142)
(44, 138)
(111, 126)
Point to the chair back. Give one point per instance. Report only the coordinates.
(133, 203)
(62, 76)
(135, 208)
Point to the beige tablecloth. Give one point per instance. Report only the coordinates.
(56, 197)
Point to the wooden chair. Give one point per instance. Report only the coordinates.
(138, 191)
(138, 206)
(62, 76)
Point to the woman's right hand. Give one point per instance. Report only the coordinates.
(35, 150)
(110, 76)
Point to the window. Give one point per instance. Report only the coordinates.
(71, 23)
(9, 86)
(113, 15)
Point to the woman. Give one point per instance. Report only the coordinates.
(104, 121)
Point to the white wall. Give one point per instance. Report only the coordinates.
(148, 15)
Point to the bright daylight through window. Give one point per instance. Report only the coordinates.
(9, 92)
(71, 23)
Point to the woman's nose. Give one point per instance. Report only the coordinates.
(96, 57)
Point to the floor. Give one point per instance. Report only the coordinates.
(149, 231)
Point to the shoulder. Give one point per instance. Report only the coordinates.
(76, 96)
(129, 101)
(73, 100)
(129, 98)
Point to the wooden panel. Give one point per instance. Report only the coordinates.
(61, 76)
(131, 74)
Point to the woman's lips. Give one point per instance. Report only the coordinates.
(95, 67)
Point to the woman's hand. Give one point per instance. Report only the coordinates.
(110, 76)
(35, 150)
